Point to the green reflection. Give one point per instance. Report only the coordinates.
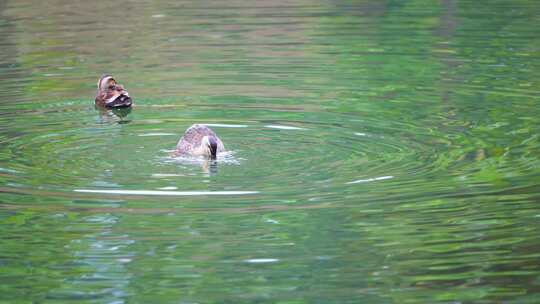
(390, 150)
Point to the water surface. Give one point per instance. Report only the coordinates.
(381, 152)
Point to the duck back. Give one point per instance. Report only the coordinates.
(200, 140)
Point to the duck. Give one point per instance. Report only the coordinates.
(110, 94)
(200, 140)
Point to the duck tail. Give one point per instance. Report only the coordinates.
(212, 146)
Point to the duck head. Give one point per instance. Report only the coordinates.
(111, 94)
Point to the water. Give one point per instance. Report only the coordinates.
(381, 152)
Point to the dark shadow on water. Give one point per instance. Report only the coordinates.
(114, 115)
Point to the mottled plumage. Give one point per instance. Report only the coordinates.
(111, 94)
(200, 140)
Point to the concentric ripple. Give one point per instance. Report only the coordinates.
(319, 156)
(379, 152)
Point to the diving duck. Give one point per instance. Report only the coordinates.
(111, 94)
(200, 140)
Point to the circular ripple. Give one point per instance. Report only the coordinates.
(283, 156)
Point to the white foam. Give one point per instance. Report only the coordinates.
(226, 157)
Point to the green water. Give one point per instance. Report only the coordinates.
(381, 152)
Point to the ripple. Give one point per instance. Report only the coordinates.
(225, 125)
(359, 181)
(166, 193)
(393, 148)
(261, 261)
(9, 171)
(156, 134)
(165, 175)
(168, 188)
(283, 127)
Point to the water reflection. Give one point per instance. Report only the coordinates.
(210, 167)
(104, 255)
(113, 115)
(383, 152)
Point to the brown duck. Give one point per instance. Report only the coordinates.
(200, 140)
(111, 94)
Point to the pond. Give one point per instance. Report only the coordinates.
(379, 152)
